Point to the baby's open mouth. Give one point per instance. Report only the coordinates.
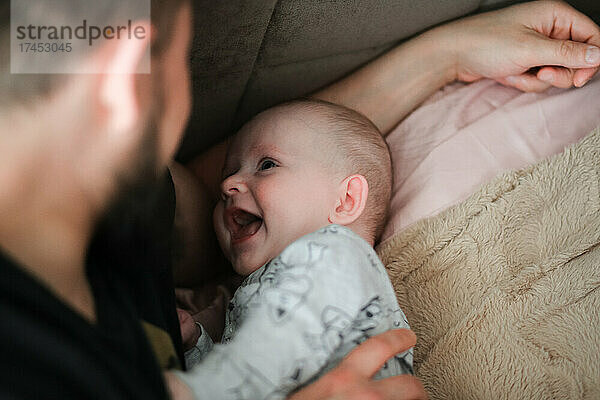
(241, 224)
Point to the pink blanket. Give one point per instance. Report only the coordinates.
(464, 135)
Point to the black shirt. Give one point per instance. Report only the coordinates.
(48, 351)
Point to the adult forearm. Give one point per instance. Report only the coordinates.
(390, 87)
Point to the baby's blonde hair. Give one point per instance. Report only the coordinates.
(359, 148)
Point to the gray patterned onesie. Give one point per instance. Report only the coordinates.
(297, 317)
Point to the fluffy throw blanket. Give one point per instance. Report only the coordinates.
(502, 290)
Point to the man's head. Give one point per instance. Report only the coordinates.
(294, 169)
(107, 128)
(75, 148)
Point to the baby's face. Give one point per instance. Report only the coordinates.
(275, 190)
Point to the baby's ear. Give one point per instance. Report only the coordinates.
(352, 199)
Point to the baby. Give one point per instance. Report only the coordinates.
(304, 197)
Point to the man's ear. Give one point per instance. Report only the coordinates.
(118, 95)
(352, 199)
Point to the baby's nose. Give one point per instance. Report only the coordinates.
(233, 185)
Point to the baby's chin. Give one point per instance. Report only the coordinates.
(246, 267)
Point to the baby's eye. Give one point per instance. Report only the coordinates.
(266, 164)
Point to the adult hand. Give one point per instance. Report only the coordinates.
(352, 379)
(504, 45)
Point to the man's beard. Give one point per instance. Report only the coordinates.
(137, 185)
(128, 231)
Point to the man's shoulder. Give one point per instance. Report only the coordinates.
(49, 351)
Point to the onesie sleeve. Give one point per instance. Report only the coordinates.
(202, 347)
(323, 295)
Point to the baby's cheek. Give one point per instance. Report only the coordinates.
(273, 196)
(246, 262)
(217, 217)
(264, 191)
(219, 226)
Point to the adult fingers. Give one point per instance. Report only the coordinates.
(366, 359)
(570, 24)
(582, 76)
(575, 24)
(565, 77)
(402, 387)
(565, 53)
(557, 20)
(557, 76)
(359, 366)
(525, 82)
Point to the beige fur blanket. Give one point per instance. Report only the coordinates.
(502, 290)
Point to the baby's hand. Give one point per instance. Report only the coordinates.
(190, 332)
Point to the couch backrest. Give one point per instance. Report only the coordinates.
(251, 54)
